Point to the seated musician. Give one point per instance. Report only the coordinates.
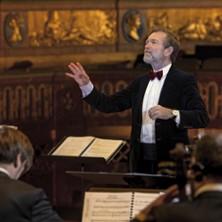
(20, 201)
(205, 178)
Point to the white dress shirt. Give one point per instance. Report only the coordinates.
(86, 89)
(151, 99)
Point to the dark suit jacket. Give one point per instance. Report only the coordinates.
(20, 202)
(179, 92)
(207, 207)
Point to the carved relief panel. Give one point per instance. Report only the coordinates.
(191, 26)
(110, 26)
(60, 28)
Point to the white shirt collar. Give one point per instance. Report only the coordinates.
(209, 187)
(3, 170)
(165, 69)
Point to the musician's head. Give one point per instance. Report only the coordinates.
(16, 151)
(207, 158)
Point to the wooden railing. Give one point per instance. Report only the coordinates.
(48, 106)
(44, 105)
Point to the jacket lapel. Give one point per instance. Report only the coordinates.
(141, 92)
(168, 89)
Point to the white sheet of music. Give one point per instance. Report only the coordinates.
(73, 146)
(107, 207)
(102, 148)
(142, 200)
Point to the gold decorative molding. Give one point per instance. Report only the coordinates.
(133, 25)
(189, 24)
(14, 29)
(53, 29)
(64, 28)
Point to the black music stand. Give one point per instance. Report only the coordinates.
(124, 180)
(62, 184)
(78, 163)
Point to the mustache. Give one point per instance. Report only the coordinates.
(147, 51)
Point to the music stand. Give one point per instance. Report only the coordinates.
(130, 180)
(78, 163)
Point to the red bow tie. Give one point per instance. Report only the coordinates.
(154, 75)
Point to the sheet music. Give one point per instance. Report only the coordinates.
(73, 146)
(103, 148)
(107, 207)
(142, 200)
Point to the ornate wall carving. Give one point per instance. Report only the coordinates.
(70, 27)
(189, 24)
(115, 25)
(60, 28)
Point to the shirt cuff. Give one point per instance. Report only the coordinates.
(86, 89)
(177, 119)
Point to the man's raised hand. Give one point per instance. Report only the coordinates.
(78, 73)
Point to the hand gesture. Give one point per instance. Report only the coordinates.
(160, 112)
(78, 73)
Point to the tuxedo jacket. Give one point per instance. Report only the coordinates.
(179, 92)
(21, 202)
(207, 207)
